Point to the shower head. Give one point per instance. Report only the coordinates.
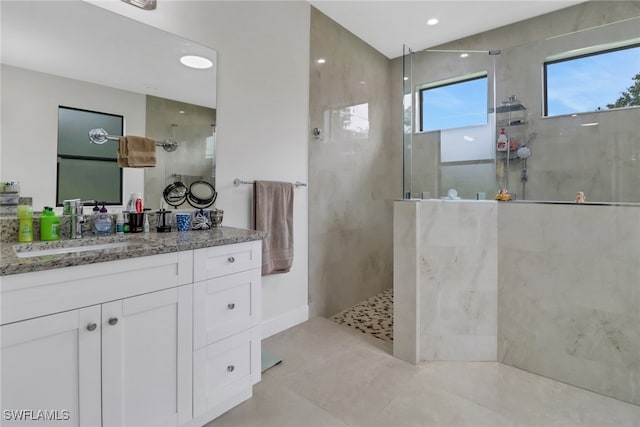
(524, 152)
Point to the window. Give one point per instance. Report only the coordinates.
(454, 103)
(85, 170)
(600, 80)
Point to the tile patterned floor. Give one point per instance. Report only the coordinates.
(332, 375)
(373, 316)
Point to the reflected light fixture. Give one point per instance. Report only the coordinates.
(464, 55)
(142, 4)
(406, 78)
(321, 61)
(198, 62)
(432, 21)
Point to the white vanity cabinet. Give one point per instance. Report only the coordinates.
(132, 342)
(226, 327)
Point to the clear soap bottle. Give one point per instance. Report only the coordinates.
(103, 223)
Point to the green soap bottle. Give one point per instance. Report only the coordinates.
(49, 225)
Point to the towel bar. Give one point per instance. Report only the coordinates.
(239, 181)
(100, 136)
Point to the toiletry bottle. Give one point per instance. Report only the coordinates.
(131, 205)
(138, 203)
(120, 223)
(127, 222)
(95, 211)
(145, 227)
(102, 225)
(502, 141)
(25, 227)
(49, 225)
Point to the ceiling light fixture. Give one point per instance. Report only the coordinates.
(321, 61)
(198, 62)
(142, 4)
(432, 21)
(464, 55)
(406, 78)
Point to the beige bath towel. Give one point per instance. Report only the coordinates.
(274, 214)
(136, 152)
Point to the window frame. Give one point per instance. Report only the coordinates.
(90, 158)
(444, 83)
(545, 88)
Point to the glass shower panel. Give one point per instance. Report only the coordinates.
(452, 142)
(594, 151)
(407, 121)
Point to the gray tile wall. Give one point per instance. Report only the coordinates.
(355, 170)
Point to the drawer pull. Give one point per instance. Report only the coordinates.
(113, 321)
(231, 306)
(231, 259)
(91, 327)
(231, 368)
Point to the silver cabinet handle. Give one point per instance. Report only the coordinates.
(91, 327)
(231, 259)
(112, 321)
(231, 368)
(231, 306)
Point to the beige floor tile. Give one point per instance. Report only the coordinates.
(332, 375)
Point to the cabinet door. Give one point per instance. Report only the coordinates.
(51, 370)
(146, 359)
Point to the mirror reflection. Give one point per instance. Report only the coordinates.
(71, 54)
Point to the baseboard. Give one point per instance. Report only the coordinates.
(284, 321)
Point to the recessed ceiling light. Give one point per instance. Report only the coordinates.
(464, 55)
(198, 62)
(321, 61)
(181, 112)
(432, 21)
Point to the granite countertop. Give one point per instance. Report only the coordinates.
(121, 247)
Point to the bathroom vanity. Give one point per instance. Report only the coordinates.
(160, 330)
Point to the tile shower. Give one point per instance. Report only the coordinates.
(551, 287)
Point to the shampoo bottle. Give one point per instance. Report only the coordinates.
(502, 141)
(49, 225)
(25, 227)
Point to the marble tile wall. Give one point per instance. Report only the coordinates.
(549, 288)
(569, 294)
(355, 170)
(452, 277)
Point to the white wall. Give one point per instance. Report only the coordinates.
(262, 116)
(30, 103)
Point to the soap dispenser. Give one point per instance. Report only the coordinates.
(102, 224)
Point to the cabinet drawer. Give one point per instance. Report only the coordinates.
(224, 368)
(222, 260)
(225, 306)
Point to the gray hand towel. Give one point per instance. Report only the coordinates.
(274, 214)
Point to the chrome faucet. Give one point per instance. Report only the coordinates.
(74, 208)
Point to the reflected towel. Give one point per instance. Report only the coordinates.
(136, 152)
(274, 214)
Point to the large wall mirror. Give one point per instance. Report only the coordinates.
(78, 55)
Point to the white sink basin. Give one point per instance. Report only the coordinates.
(20, 253)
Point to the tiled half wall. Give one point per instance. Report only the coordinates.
(550, 288)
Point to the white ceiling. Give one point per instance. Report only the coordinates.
(77, 40)
(387, 25)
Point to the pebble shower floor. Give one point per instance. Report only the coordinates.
(373, 316)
